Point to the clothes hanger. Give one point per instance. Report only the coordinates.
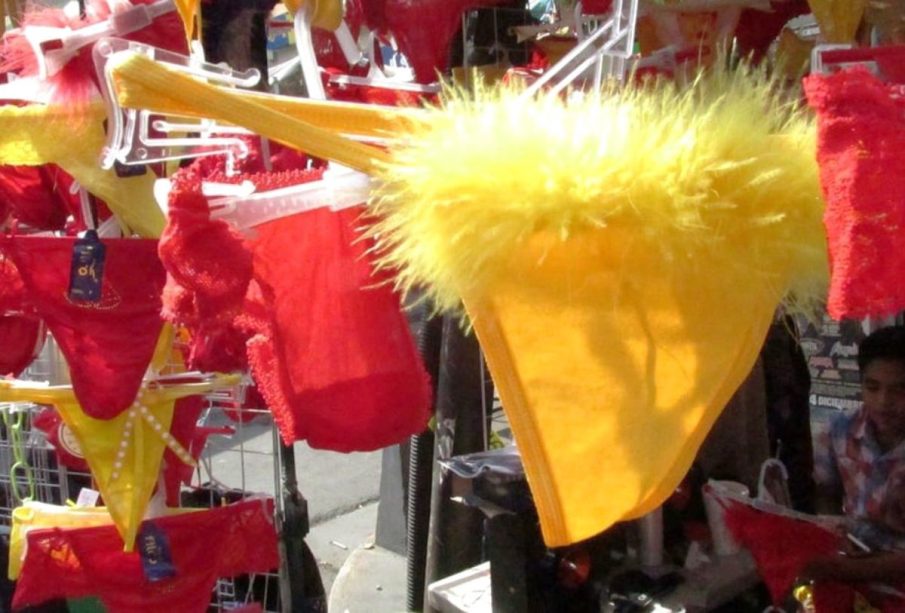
(358, 121)
(340, 188)
(377, 77)
(153, 79)
(54, 47)
(611, 44)
(129, 136)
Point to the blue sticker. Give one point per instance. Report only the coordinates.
(154, 549)
(87, 271)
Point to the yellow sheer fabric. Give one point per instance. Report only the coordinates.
(629, 373)
(124, 453)
(37, 135)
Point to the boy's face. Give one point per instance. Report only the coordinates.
(883, 394)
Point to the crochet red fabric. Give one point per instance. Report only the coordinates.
(108, 345)
(861, 152)
(328, 345)
(222, 542)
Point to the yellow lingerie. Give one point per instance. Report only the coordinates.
(311, 127)
(124, 453)
(37, 134)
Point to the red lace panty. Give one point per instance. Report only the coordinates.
(204, 545)
(108, 345)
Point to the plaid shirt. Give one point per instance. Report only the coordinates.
(851, 462)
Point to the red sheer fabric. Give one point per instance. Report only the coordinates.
(861, 152)
(328, 345)
(23, 337)
(38, 196)
(108, 345)
(184, 428)
(782, 546)
(336, 363)
(20, 327)
(205, 545)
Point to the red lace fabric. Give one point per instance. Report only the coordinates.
(222, 542)
(861, 152)
(108, 345)
(329, 348)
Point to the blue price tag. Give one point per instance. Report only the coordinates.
(154, 549)
(87, 271)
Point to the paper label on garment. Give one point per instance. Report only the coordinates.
(87, 271)
(154, 549)
(87, 498)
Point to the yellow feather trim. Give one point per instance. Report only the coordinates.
(720, 177)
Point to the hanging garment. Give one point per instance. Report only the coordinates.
(859, 149)
(202, 546)
(336, 361)
(34, 515)
(38, 135)
(107, 344)
(328, 345)
(783, 545)
(125, 452)
(620, 265)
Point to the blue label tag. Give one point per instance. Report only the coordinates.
(87, 271)
(154, 549)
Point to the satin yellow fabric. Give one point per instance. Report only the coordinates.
(37, 135)
(602, 359)
(127, 489)
(143, 83)
(325, 14)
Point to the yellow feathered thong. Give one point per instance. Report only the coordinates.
(620, 259)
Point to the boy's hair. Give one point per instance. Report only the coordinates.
(883, 344)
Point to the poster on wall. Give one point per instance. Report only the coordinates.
(831, 348)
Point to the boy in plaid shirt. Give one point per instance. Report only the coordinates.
(860, 471)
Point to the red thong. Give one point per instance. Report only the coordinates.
(329, 348)
(107, 345)
(861, 152)
(205, 545)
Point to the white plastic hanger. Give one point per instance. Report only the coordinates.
(606, 49)
(376, 77)
(53, 47)
(341, 188)
(129, 137)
